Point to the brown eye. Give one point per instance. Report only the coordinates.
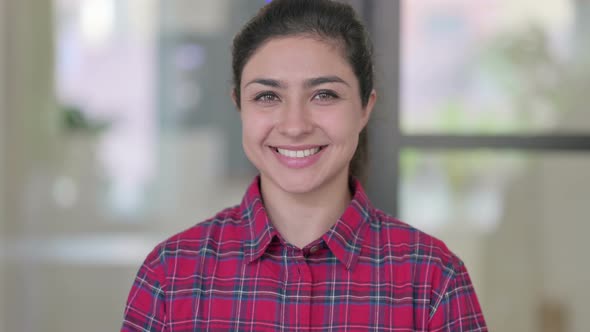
(325, 96)
(266, 97)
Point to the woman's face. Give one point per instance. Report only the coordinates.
(301, 113)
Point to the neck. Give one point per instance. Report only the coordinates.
(303, 218)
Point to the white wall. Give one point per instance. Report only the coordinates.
(2, 160)
(539, 251)
(563, 259)
(26, 103)
(2, 113)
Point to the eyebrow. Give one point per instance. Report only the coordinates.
(312, 82)
(309, 83)
(267, 81)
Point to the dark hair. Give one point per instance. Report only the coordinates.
(325, 19)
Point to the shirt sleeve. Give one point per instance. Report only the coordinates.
(145, 310)
(457, 307)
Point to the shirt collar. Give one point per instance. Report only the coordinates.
(344, 239)
(260, 231)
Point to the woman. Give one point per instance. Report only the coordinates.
(305, 250)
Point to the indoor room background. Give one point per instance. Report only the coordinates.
(117, 130)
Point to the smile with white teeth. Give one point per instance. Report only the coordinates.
(298, 153)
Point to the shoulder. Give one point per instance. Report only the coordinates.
(225, 229)
(225, 223)
(418, 258)
(404, 241)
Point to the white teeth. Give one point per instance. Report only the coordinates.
(299, 153)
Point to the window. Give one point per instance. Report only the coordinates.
(483, 140)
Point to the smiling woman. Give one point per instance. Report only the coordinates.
(305, 250)
(308, 98)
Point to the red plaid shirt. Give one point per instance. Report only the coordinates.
(368, 272)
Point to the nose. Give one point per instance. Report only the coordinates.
(295, 120)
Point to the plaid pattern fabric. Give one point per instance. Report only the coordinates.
(234, 272)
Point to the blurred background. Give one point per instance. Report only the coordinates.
(117, 131)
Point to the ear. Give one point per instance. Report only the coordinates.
(368, 109)
(234, 99)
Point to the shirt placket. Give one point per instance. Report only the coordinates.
(305, 291)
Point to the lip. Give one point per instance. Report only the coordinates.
(298, 163)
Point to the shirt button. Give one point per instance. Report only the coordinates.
(314, 249)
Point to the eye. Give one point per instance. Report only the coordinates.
(325, 96)
(266, 97)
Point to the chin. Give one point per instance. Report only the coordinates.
(308, 182)
(295, 186)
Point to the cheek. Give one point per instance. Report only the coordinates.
(344, 126)
(249, 139)
(254, 128)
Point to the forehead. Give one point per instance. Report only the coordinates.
(295, 56)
